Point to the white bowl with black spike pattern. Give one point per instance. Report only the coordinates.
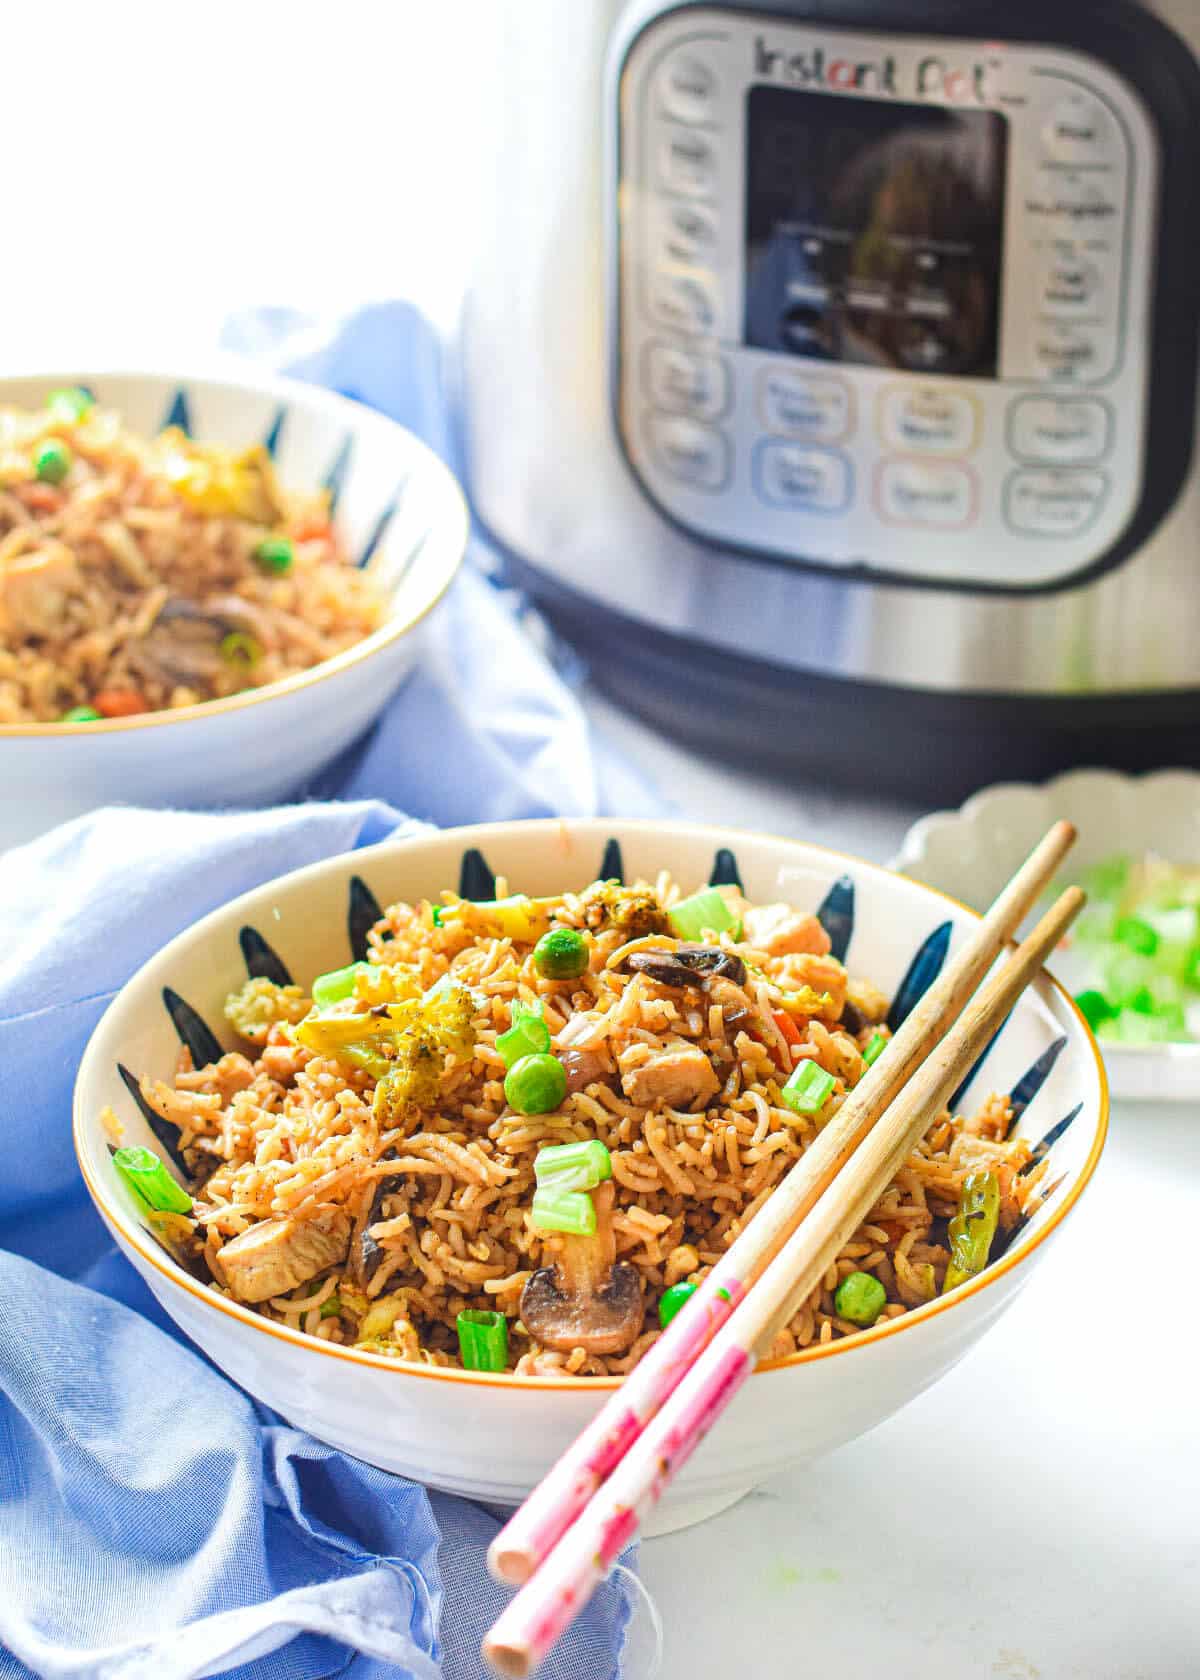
(396, 508)
(972, 851)
(493, 1436)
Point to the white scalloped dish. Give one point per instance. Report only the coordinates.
(971, 852)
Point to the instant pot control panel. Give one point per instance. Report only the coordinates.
(882, 302)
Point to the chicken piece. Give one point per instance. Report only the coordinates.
(869, 1003)
(781, 931)
(35, 589)
(823, 975)
(280, 1254)
(676, 1078)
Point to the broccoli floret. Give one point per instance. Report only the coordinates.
(634, 911)
(423, 1032)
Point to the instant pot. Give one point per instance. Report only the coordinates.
(829, 373)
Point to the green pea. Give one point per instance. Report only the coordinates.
(81, 714)
(670, 1301)
(52, 461)
(536, 1084)
(860, 1298)
(561, 954)
(275, 554)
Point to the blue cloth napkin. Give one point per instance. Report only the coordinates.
(154, 1520)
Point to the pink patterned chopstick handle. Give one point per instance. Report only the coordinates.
(549, 1602)
(566, 1488)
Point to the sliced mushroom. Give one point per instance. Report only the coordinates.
(587, 1298)
(184, 642)
(583, 1068)
(370, 1253)
(685, 965)
(278, 1255)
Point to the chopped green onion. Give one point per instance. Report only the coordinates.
(528, 1036)
(436, 911)
(1137, 934)
(150, 1181)
(70, 403)
(972, 1230)
(572, 1211)
(860, 1298)
(331, 1306)
(52, 461)
(704, 912)
(875, 1047)
(275, 554)
(561, 954)
(536, 1084)
(1191, 974)
(339, 983)
(807, 1091)
(482, 1340)
(573, 1166)
(672, 1299)
(240, 650)
(1095, 1007)
(81, 714)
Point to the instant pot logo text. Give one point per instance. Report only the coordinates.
(934, 77)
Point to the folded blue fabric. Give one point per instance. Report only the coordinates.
(154, 1520)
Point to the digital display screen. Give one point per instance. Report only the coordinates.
(874, 230)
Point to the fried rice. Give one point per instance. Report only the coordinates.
(134, 577)
(418, 1210)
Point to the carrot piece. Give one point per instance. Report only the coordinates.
(40, 498)
(309, 530)
(786, 1025)
(119, 702)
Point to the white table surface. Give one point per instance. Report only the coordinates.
(1036, 1515)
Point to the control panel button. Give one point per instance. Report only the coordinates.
(1079, 130)
(808, 480)
(928, 420)
(1064, 353)
(687, 381)
(683, 301)
(1059, 200)
(688, 87)
(939, 496)
(689, 451)
(686, 233)
(1053, 429)
(1053, 503)
(1069, 287)
(687, 162)
(806, 405)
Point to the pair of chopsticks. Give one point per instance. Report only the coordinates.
(571, 1530)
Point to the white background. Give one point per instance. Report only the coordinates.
(170, 162)
(1036, 1516)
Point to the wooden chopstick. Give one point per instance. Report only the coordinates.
(534, 1620)
(532, 1530)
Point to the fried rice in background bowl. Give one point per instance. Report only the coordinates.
(466, 1163)
(136, 583)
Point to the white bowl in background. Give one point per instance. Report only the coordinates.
(397, 507)
(493, 1436)
(971, 852)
